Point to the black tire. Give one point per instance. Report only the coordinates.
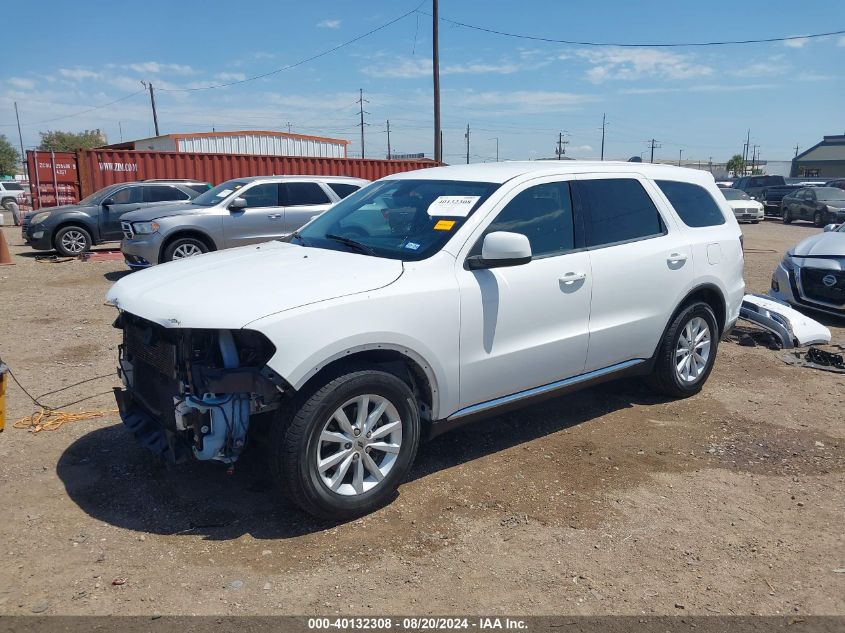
(787, 219)
(7, 203)
(294, 445)
(71, 241)
(664, 377)
(755, 221)
(183, 243)
(818, 219)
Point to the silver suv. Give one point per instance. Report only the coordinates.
(235, 213)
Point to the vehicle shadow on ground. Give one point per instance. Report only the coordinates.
(111, 478)
(115, 275)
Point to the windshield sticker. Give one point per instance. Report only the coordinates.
(224, 193)
(412, 245)
(452, 206)
(444, 225)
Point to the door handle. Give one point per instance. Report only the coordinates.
(571, 278)
(676, 258)
(275, 216)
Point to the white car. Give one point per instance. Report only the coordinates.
(745, 208)
(425, 300)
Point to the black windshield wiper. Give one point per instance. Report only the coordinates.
(350, 242)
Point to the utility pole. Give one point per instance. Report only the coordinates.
(561, 146)
(388, 139)
(710, 165)
(120, 127)
(153, 104)
(288, 124)
(745, 152)
(796, 150)
(653, 141)
(467, 137)
(435, 65)
(680, 155)
(603, 123)
(361, 102)
(496, 138)
(754, 159)
(20, 138)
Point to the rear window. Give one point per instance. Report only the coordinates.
(295, 194)
(12, 186)
(620, 210)
(198, 187)
(343, 189)
(164, 193)
(694, 204)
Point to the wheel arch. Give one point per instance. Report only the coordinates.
(79, 223)
(400, 361)
(710, 294)
(198, 234)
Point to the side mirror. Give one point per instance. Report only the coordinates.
(500, 249)
(831, 227)
(108, 202)
(237, 204)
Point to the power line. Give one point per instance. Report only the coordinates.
(301, 61)
(634, 45)
(67, 116)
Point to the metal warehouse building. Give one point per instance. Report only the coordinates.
(243, 142)
(823, 160)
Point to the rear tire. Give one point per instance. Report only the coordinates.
(71, 241)
(787, 219)
(686, 353)
(818, 219)
(326, 428)
(184, 247)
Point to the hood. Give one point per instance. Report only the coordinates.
(229, 289)
(164, 211)
(745, 204)
(60, 209)
(830, 244)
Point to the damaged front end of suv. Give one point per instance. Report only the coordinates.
(193, 392)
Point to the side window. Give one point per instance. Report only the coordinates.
(810, 195)
(128, 195)
(163, 193)
(295, 194)
(543, 214)
(264, 195)
(693, 204)
(343, 189)
(620, 210)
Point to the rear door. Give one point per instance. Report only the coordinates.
(122, 201)
(641, 264)
(262, 219)
(302, 200)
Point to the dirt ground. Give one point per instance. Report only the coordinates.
(606, 502)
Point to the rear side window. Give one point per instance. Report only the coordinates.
(294, 194)
(343, 189)
(693, 204)
(128, 195)
(198, 187)
(543, 214)
(12, 186)
(619, 210)
(163, 193)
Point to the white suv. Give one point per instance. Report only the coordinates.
(425, 300)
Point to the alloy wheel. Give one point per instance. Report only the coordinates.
(693, 350)
(74, 241)
(359, 445)
(186, 250)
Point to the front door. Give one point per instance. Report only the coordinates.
(122, 201)
(302, 201)
(260, 221)
(641, 262)
(526, 326)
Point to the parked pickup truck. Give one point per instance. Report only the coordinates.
(771, 198)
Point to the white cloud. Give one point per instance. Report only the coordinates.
(19, 82)
(637, 63)
(77, 74)
(522, 100)
(581, 148)
(412, 68)
(329, 24)
(799, 43)
(157, 67)
(230, 76)
(768, 68)
(699, 88)
(841, 41)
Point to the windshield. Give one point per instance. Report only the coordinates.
(735, 194)
(397, 219)
(829, 193)
(218, 193)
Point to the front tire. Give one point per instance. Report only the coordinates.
(348, 446)
(184, 247)
(686, 353)
(818, 219)
(72, 241)
(787, 219)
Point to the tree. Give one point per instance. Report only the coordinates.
(58, 141)
(736, 165)
(9, 157)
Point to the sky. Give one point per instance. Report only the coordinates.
(62, 59)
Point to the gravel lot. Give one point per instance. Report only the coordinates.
(609, 501)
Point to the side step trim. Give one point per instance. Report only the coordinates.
(544, 389)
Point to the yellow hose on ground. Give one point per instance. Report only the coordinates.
(50, 420)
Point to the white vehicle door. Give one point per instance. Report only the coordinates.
(641, 264)
(260, 221)
(302, 200)
(525, 326)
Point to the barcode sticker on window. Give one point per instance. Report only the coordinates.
(452, 206)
